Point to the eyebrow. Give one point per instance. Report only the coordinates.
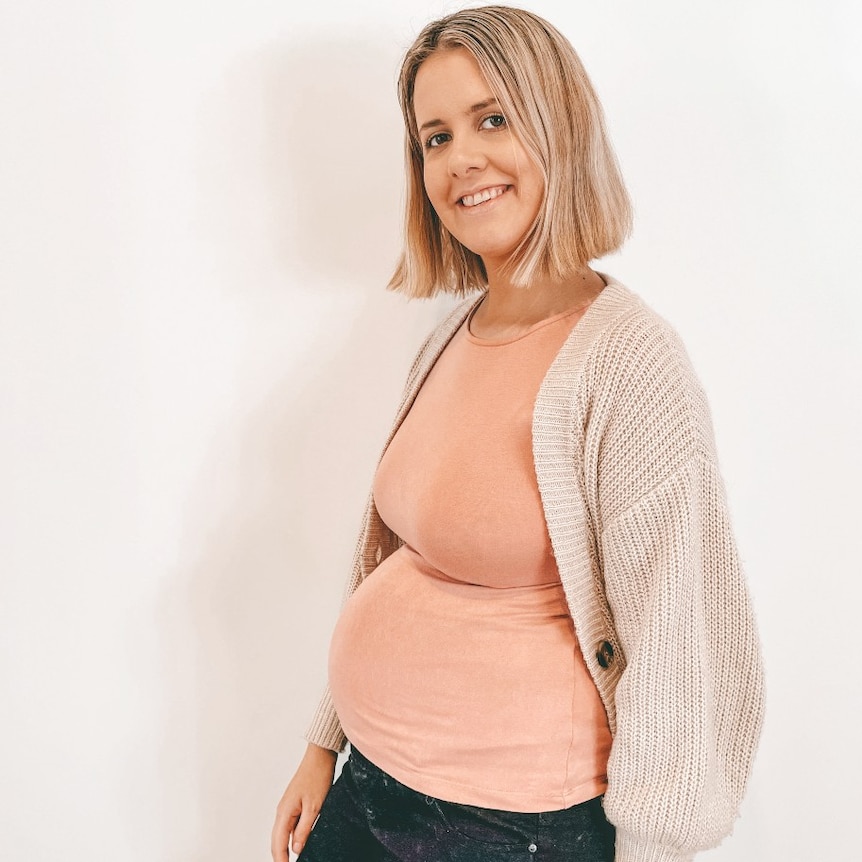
(474, 109)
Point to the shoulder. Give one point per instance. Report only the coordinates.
(619, 340)
(645, 412)
(639, 378)
(634, 338)
(639, 358)
(439, 337)
(624, 356)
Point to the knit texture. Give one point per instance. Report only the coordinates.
(637, 515)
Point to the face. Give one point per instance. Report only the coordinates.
(484, 187)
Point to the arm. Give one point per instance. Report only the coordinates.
(689, 703)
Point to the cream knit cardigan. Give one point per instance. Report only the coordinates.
(636, 511)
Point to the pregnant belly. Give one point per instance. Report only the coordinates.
(435, 676)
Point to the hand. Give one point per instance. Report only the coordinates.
(300, 805)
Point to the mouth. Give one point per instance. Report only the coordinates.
(483, 196)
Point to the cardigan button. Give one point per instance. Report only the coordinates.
(605, 654)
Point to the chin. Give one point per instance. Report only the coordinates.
(489, 249)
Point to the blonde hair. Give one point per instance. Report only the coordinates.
(550, 104)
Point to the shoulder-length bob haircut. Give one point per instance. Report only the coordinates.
(551, 106)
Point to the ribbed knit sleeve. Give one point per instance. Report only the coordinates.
(689, 702)
(325, 729)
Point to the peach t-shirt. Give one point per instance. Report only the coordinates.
(455, 666)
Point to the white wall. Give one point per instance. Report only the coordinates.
(200, 207)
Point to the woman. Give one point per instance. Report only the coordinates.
(556, 657)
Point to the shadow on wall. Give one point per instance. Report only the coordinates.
(247, 615)
(346, 146)
(303, 163)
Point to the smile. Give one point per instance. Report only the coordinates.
(483, 196)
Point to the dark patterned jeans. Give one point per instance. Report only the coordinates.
(368, 816)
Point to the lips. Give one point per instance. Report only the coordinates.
(482, 196)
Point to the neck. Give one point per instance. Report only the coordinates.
(509, 310)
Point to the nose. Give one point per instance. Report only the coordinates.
(466, 155)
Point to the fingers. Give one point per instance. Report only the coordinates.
(310, 810)
(301, 802)
(285, 823)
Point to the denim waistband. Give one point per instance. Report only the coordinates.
(373, 777)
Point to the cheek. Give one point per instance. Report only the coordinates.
(537, 191)
(529, 177)
(434, 188)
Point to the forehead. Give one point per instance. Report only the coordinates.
(448, 81)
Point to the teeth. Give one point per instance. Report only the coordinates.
(486, 195)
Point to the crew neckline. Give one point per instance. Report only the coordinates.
(541, 324)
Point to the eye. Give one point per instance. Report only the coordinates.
(493, 121)
(436, 140)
